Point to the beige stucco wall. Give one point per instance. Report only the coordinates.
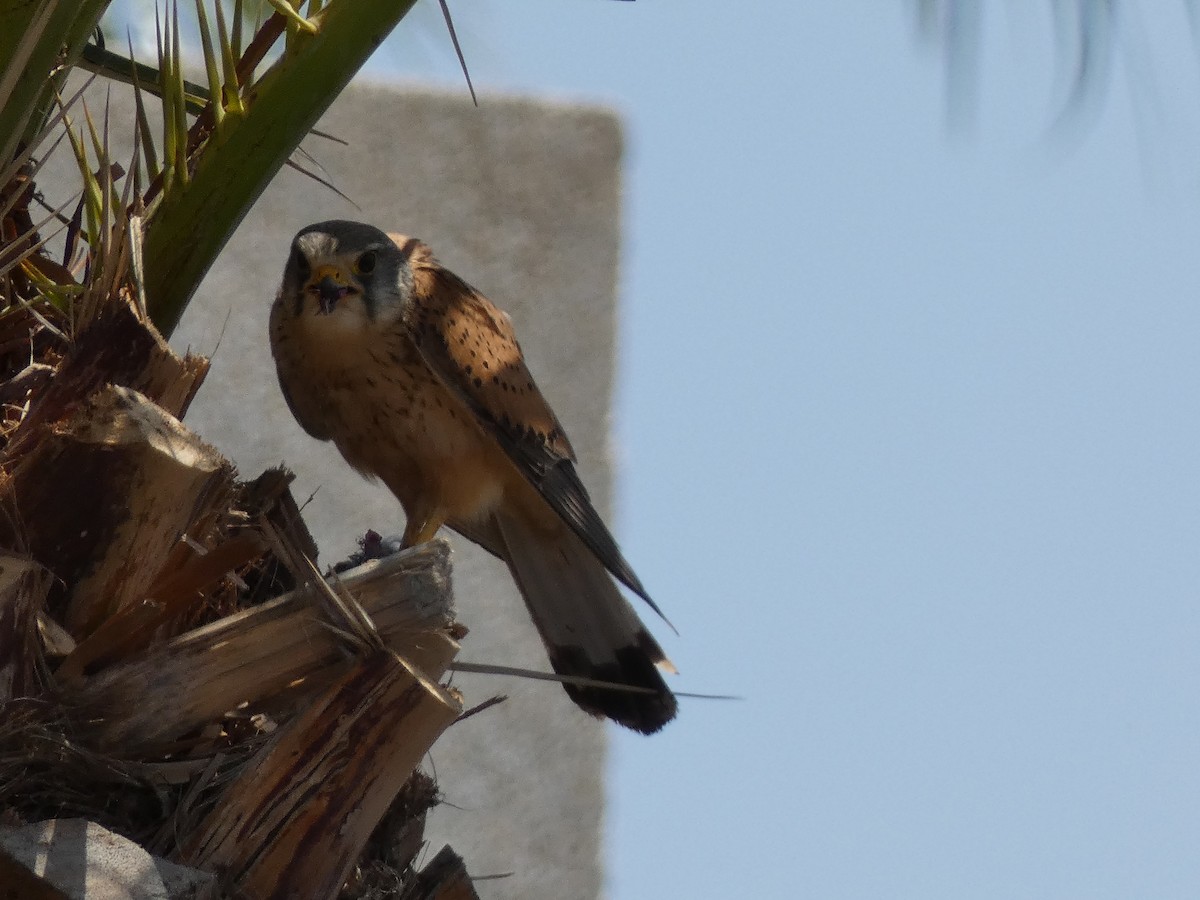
(521, 198)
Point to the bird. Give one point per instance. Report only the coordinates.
(419, 381)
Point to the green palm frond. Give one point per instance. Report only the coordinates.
(125, 70)
(39, 43)
(221, 139)
(248, 131)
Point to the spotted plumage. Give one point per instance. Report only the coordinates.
(419, 381)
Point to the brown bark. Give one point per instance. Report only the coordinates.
(117, 347)
(294, 822)
(258, 655)
(445, 878)
(23, 586)
(284, 729)
(106, 495)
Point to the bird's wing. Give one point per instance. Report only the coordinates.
(471, 347)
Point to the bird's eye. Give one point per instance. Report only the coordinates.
(366, 263)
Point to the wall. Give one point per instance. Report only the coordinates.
(521, 198)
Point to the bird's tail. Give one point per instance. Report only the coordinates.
(589, 629)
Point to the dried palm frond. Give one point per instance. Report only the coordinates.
(130, 550)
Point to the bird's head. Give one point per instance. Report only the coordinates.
(346, 269)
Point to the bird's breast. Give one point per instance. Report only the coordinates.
(392, 418)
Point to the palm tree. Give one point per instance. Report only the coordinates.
(172, 665)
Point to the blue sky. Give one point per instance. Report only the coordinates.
(909, 443)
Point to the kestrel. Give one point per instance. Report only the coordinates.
(419, 381)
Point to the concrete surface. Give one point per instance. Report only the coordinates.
(88, 862)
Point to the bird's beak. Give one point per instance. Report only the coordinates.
(330, 284)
